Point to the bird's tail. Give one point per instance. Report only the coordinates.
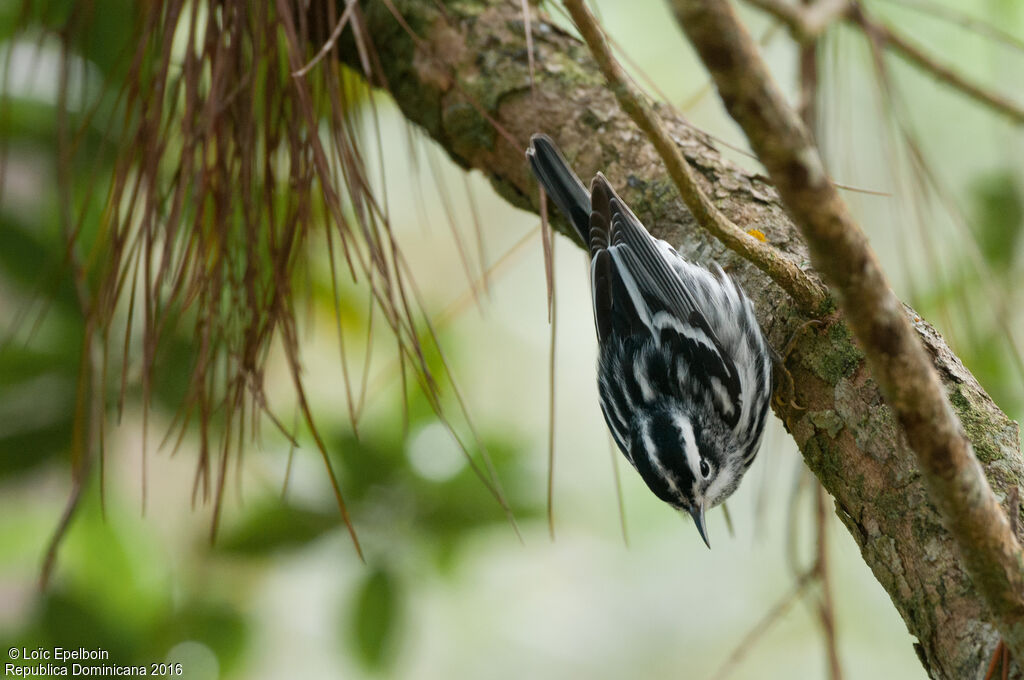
(560, 183)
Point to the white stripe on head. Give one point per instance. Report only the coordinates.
(690, 452)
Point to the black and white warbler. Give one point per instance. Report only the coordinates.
(684, 372)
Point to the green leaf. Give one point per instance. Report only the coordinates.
(375, 624)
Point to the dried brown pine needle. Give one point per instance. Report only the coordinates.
(239, 157)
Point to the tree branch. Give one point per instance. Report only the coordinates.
(807, 291)
(917, 56)
(471, 56)
(805, 24)
(839, 248)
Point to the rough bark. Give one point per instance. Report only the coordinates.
(467, 68)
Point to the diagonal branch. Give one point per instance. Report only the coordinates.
(805, 24)
(920, 58)
(806, 290)
(898, 361)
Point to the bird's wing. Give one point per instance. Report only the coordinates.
(617, 309)
(637, 290)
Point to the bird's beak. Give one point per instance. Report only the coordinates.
(698, 518)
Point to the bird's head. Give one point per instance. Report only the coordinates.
(682, 458)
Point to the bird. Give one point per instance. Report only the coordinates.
(684, 371)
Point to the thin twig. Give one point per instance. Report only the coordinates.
(806, 291)
(329, 45)
(808, 21)
(763, 626)
(808, 69)
(547, 238)
(89, 401)
(291, 456)
(967, 22)
(617, 481)
(997, 657)
(553, 314)
(728, 520)
(805, 25)
(917, 56)
(809, 86)
(826, 610)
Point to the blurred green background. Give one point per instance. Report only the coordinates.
(448, 590)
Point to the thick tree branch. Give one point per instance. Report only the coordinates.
(897, 358)
(471, 56)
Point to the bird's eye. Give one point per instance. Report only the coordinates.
(705, 469)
